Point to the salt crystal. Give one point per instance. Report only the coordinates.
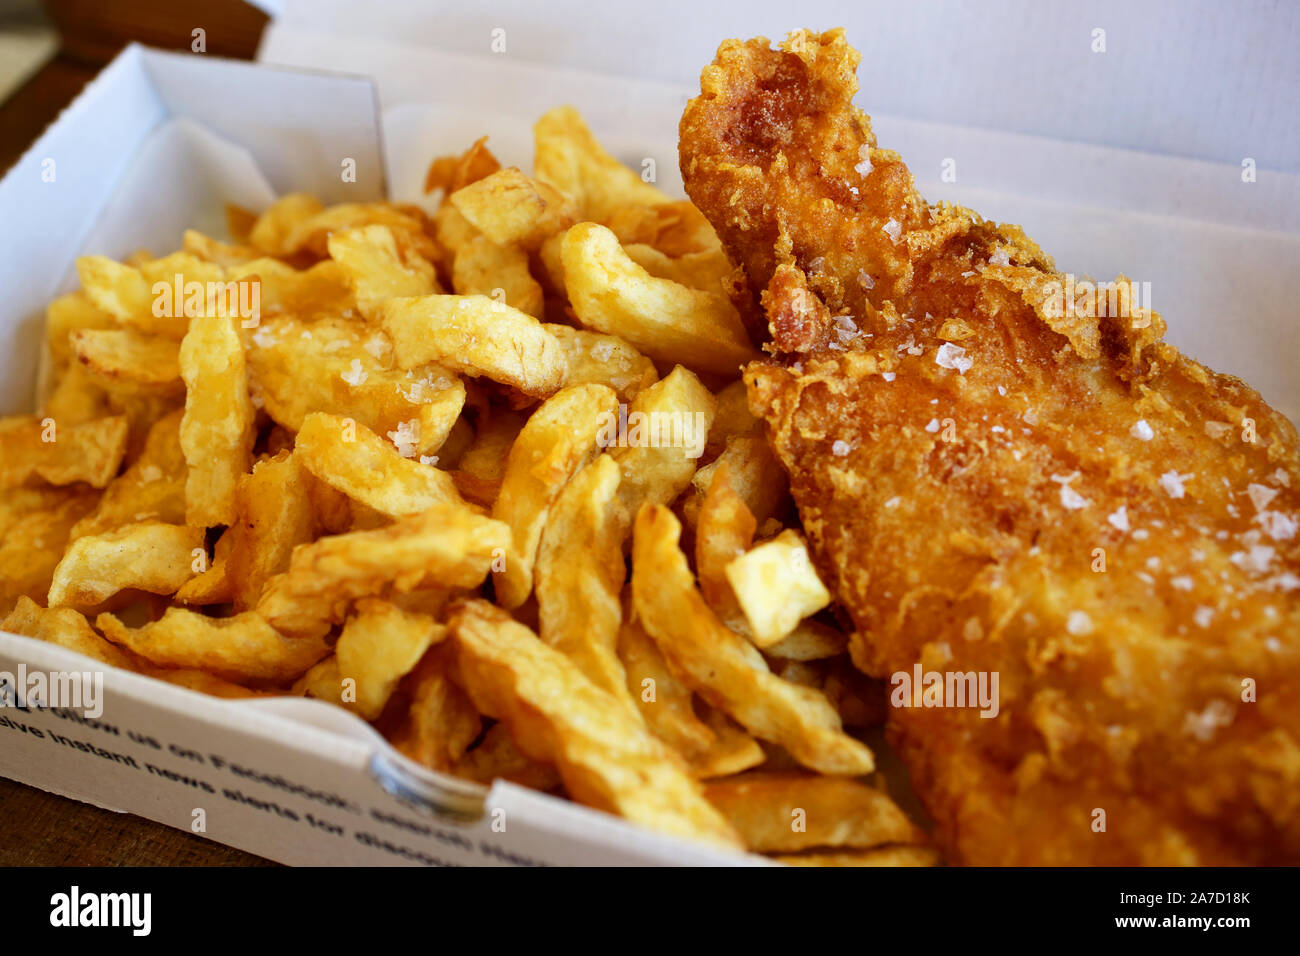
(1172, 483)
(150, 473)
(865, 280)
(933, 425)
(1202, 726)
(1000, 258)
(263, 338)
(1217, 430)
(840, 448)
(377, 345)
(1183, 582)
(893, 502)
(1141, 430)
(355, 374)
(1257, 559)
(864, 167)
(1273, 644)
(1141, 534)
(953, 356)
(1119, 518)
(1282, 478)
(406, 438)
(1002, 390)
(888, 376)
(1260, 495)
(1276, 525)
(1203, 615)
(428, 459)
(1078, 623)
(893, 229)
(602, 351)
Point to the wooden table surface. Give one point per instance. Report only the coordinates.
(41, 829)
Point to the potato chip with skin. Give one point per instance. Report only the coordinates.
(732, 750)
(217, 427)
(724, 668)
(606, 758)
(477, 336)
(569, 158)
(448, 545)
(89, 452)
(785, 813)
(579, 577)
(351, 458)
(152, 488)
(273, 228)
(558, 439)
(376, 269)
(380, 644)
(776, 586)
(345, 369)
(509, 208)
(215, 251)
(667, 428)
(481, 267)
(71, 313)
(441, 721)
(498, 757)
(121, 358)
(239, 648)
(76, 398)
(65, 627)
(148, 556)
(273, 508)
(36, 531)
(450, 173)
(604, 360)
(667, 321)
(724, 531)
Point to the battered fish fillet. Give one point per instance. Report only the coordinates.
(997, 482)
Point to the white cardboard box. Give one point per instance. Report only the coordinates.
(159, 141)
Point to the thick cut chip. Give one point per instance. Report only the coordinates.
(787, 812)
(569, 158)
(61, 454)
(273, 507)
(579, 577)
(336, 366)
(123, 359)
(777, 587)
(376, 268)
(732, 751)
(351, 458)
(35, 525)
(76, 398)
(482, 267)
(157, 297)
(450, 173)
(666, 704)
(65, 627)
(559, 438)
(321, 291)
(217, 428)
(708, 271)
(498, 757)
(149, 556)
(482, 467)
(442, 721)
(724, 531)
(219, 253)
(756, 475)
(478, 336)
(379, 645)
(298, 224)
(606, 758)
(658, 445)
(284, 217)
(511, 209)
(68, 314)
(448, 545)
(669, 322)
(151, 489)
(599, 359)
(239, 648)
(880, 856)
(811, 640)
(724, 668)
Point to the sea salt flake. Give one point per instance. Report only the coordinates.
(1141, 430)
(1119, 518)
(263, 338)
(1260, 495)
(953, 356)
(428, 459)
(1141, 534)
(1203, 616)
(893, 229)
(1078, 623)
(840, 448)
(1000, 258)
(355, 375)
(150, 473)
(1183, 582)
(406, 438)
(864, 167)
(932, 425)
(1278, 526)
(1203, 726)
(1172, 483)
(893, 502)
(377, 345)
(865, 280)
(1257, 559)
(888, 376)
(1282, 478)
(1217, 430)
(1002, 390)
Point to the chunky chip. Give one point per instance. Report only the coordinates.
(149, 556)
(119, 358)
(217, 428)
(667, 321)
(606, 758)
(510, 208)
(478, 336)
(239, 648)
(65, 627)
(776, 586)
(559, 438)
(481, 267)
(447, 545)
(599, 359)
(61, 454)
(379, 645)
(724, 668)
(354, 460)
(376, 268)
(786, 812)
